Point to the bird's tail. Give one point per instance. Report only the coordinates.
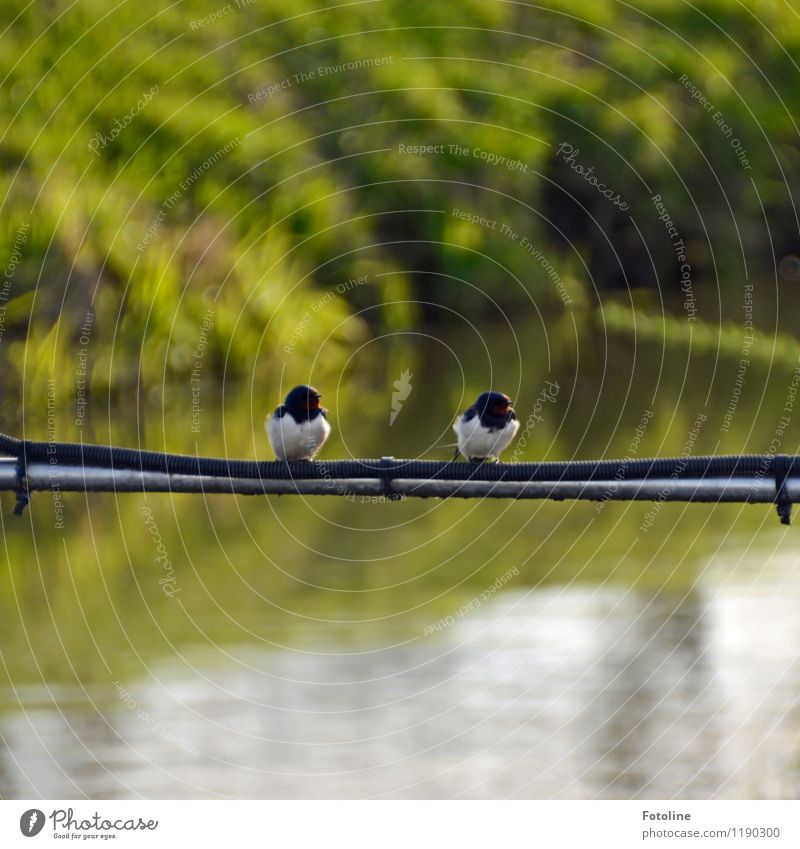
(442, 446)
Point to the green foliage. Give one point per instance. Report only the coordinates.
(220, 189)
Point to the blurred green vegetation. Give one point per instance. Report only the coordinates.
(218, 189)
(259, 209)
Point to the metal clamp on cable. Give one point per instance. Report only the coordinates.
(386, 469)
(781, 464)
(23, 494)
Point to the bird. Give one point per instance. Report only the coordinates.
(487, 428)
(299, 427)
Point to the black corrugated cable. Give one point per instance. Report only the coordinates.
(388, 468)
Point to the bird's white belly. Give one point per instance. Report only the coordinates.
(475, 440)
(293, 440)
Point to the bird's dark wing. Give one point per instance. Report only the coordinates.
(470, 414)
(281, 411)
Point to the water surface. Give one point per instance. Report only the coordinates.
(563, 692)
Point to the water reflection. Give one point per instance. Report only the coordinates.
(564, 692)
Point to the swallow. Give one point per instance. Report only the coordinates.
(487, 428)
(299, 427)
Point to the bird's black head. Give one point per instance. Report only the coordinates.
(493, 408)
(493, 404)
(303, 402)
